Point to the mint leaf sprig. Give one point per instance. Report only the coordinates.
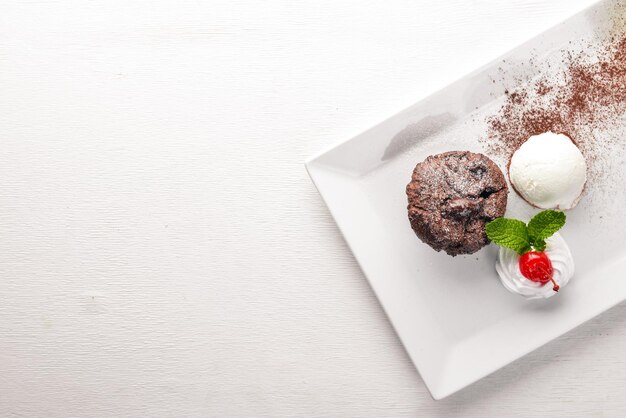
(521, 238)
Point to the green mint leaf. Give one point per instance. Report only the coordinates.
(544, 224)
(509, 233)
(539, 245)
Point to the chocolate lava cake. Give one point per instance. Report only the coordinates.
(452, 196)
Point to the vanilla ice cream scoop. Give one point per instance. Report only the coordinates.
(549, 171)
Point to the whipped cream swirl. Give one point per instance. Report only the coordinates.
(511, 277)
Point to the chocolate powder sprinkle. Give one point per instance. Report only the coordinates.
(590, 96)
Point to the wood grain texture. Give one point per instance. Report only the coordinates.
(163, 252)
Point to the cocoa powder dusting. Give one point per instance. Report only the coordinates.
(590, 97)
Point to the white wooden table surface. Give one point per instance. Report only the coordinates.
(162, 250)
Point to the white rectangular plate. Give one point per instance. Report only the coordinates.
(456, 321)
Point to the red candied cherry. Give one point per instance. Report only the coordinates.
(536, 266)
